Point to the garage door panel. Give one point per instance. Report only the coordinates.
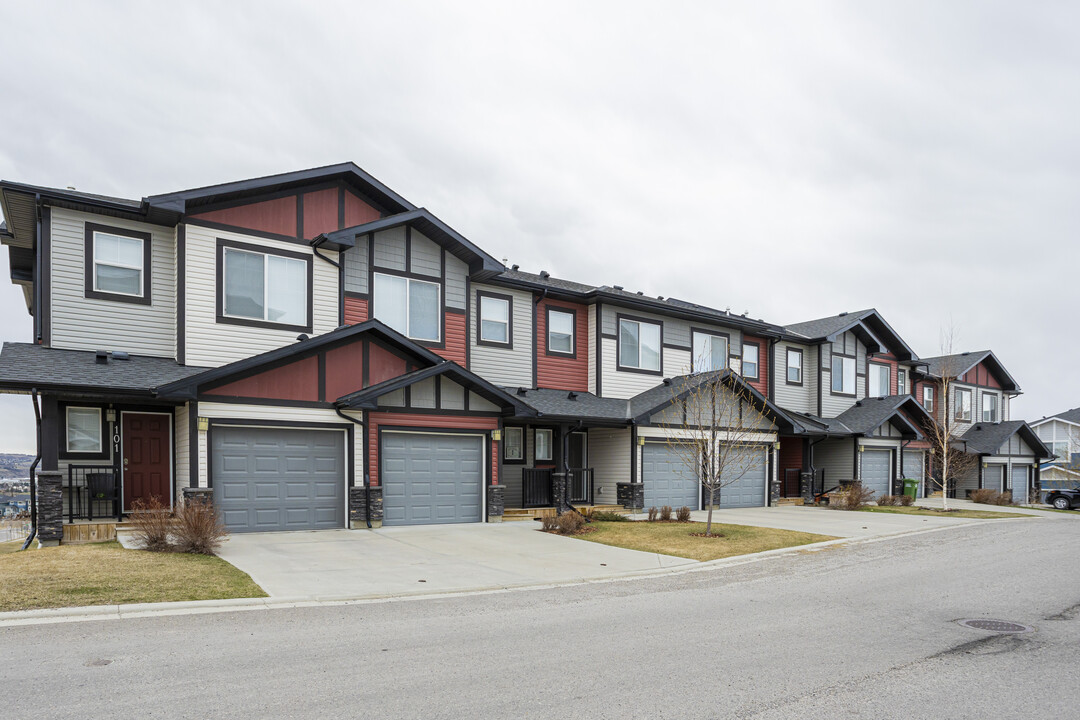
(431, 478)
(667, 480)
(747, 486)
(269, 479)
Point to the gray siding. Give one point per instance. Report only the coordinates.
(676, 330)
(833, 405)
(356, 266)
(390, 249)
(609, 457)
(511, 475)
(426, 255)
(502, 365)
(479, 404)
(82, 323)
(422, 394)
(453, 395)
(181, 449)
(456, 274)
(794, 397)
(837, 457)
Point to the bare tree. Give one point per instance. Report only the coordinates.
(949, 456)
(720, 433)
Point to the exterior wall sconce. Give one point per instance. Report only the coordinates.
(203, 424)
(862, 448)
(110, 415)
(776, 445)
(641, 440)
(496, 435)
(985, 464)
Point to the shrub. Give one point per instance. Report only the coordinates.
(983, 497)
(1002, 498)
(549, 523)
(569, 523)
(683, 514)
(906, 500)
(151, 523)
(888, 500)
(665, 513)
(652, 514)
(608, 516)
(198, 528)
(852, 497)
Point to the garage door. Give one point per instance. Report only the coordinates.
(1019, 484)
(667, 479)
(992, 475)
(913, 466)
(276, 479)
(748, 490)
(431, 478)
(875, 471)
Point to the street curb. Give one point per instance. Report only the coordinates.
(201, 607)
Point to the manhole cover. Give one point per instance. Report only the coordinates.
(998, 626)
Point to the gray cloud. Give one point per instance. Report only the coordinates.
(789, 159)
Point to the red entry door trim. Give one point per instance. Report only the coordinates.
(146, 460)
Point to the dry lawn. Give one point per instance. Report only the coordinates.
(936, 512)
(107, 574)
(677, 539)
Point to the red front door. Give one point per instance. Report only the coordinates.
(147, 461)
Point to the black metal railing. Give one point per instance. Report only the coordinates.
(792, 482)
(536, 488)
(581, 485)
(93, 491)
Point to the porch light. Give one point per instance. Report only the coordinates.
(862, 448)
(496, 435)
(986, 464)
(110, 415)
(203, 424)
(641, 440)
(776, 445)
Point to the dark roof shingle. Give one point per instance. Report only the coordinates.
(25, 365)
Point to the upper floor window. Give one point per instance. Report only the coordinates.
(843, 375)
(928, 398)
(494, 317)
(117, 264)
(963, 404)
(710, 352)
(408, 305)
(83, 430)
(750, 357)
(880, 380)
(639, 345)
(1060, 449)
(264, 289)
(794, 366)
(560, 331)
(901, 382)
(989, 408)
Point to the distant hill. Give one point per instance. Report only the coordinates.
(13, 466)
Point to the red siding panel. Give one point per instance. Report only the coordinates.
(383, 365)
(762, 383)
(441, 422)
(320, 212)
(295, 381)
(358, 212)
(356, 310)
(456, 338)
(344, 370)
(275, 216)
(563, 373)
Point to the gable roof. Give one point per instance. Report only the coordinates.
(647, 403)
(869, 414)
(868, 325)
(368, 398)
(25, 366)
(988, 438)
(1070, 416)
(480, 263)
(958, 364)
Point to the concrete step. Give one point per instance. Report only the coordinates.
(790, 501)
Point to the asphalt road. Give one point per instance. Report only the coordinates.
(860, 631)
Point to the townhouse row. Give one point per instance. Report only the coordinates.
(311, 350)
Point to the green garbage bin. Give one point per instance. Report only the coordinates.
(911, 488)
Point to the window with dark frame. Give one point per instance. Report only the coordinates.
(901, 382)
(751, 355)
(494, 319)
(639, 345)
(794, 366)
(266, 287)
(843, 375)
(963, 405)
(83, 430)
(880, 380)
(710, 352)
(410, 306)
(928, 398)
(543, 444)
(513, 448)
(117, 264)
(560, 331)
(989, 407)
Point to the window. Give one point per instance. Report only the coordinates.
(260, 288)
(901, 382)
(880, 380)
(843, 375)
(543, 445)
(512, 449)
(1061, 449)
(639, 345)
(84, 430)
(560, 331)
(750, 361)
(963, 405)
(117, 264)
(794, 367)
(710, 352)
(989, 408)
(494, 324)
(409, 306)
(928, 398)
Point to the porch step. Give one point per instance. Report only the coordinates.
(88, 532)
(789, 501)
(515, 514)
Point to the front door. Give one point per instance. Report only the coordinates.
(147, 458)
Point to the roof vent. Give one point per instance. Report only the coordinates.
(302, 337)
(514, 267)
(120, 356)
(965, 353)
(842, 314)
(640, 293)
(102, 357)
(617, 287)
(521, 391)
(858, 403)
(545, 274)
(667, 381)
(70, 187)
(978, 427)
(659, 297)
(571, 395)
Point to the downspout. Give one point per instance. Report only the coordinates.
(902, 473)
(367, 480)
(39, 293)
(315, 243)
(772, 369)
(33, 470)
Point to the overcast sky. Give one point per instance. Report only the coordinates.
(790, 159)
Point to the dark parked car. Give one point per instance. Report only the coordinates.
(1064, 499)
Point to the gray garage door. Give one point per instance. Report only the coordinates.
(749, 489)
(875, 471)
(1019, 484)
(431, 478)
(276, 479)
(992, 476)
(667, 479)
(913, 466)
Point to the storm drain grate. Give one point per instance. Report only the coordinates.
(998, 626)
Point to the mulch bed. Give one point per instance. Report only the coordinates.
(583, 531)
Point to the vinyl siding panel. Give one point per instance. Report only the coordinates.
(457, 273)
(609, 457)
(389, 249)
(557, 371)
(452, 395)
(499, 365)
(592, 349)
(837, 459)
(621, 384)
(795, 397)
(479, 404)
(181, 450)
(512, 473)
(422, 394)
(211, 343)
(356, 266)
(426, 255)
(676, 331)
(81, 323)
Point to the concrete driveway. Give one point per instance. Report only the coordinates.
(412, 560)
